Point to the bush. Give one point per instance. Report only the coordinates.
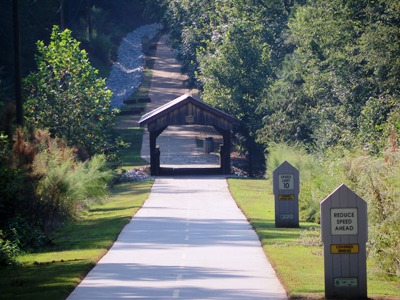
(43, 184)
(66, 185)
(19, 235)
(27, 234)
(9, 250)
(16, 188)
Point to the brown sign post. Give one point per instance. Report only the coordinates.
(286, 185)
(344, 232)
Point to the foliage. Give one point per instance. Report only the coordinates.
(43, 184)
(231, 50)
(9, 250)
(19, 235)
(64, 184)
(66, 96)
(376, 180)
(17, 189)
(339, 86)
(332, 74)
(234, 76)
(98, 24)
(26, 233)
(378, 120)
(316, 182)
(338, 94)
(109, 18)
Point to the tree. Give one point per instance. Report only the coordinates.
(66, 96)
(345, 66)
(235, 75)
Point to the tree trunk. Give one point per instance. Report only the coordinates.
(89, 19)
(62, 15)
(17, 64)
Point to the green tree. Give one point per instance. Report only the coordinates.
(323, 33)
(66, 96)
(235, 75)
(344, 67)
(288, 115)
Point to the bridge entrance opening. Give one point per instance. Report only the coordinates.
(185, 132)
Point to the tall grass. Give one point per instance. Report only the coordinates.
(374, 178)
(377, 181)
(316, 182)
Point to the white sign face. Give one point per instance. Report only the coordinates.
(344, 221)
(286, 181)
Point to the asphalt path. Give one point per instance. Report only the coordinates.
(188, 241)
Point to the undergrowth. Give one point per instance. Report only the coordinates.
(376, 179)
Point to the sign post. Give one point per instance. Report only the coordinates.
(344, 232)
(286, 185)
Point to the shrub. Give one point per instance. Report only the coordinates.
(16, 188)
(66, 185)
(8, 250)
(20, 234)
(44, 184)
(26, 233)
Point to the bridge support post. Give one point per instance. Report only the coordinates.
(155, 152)
(225, 152)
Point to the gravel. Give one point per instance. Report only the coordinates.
(127, 72)
(136, 174)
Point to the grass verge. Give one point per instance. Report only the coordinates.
(296, 253)
(130, 156)
(52, 273)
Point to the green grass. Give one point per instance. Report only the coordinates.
(143, 90)
(52, 273)
(298, 265)
(130, 156)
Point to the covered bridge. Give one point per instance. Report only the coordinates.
(188, 110)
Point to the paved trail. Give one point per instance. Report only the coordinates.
(188, 241)
(167, 84)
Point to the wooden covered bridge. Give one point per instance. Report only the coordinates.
(188, 110)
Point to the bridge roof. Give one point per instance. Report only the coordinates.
(187, 110)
